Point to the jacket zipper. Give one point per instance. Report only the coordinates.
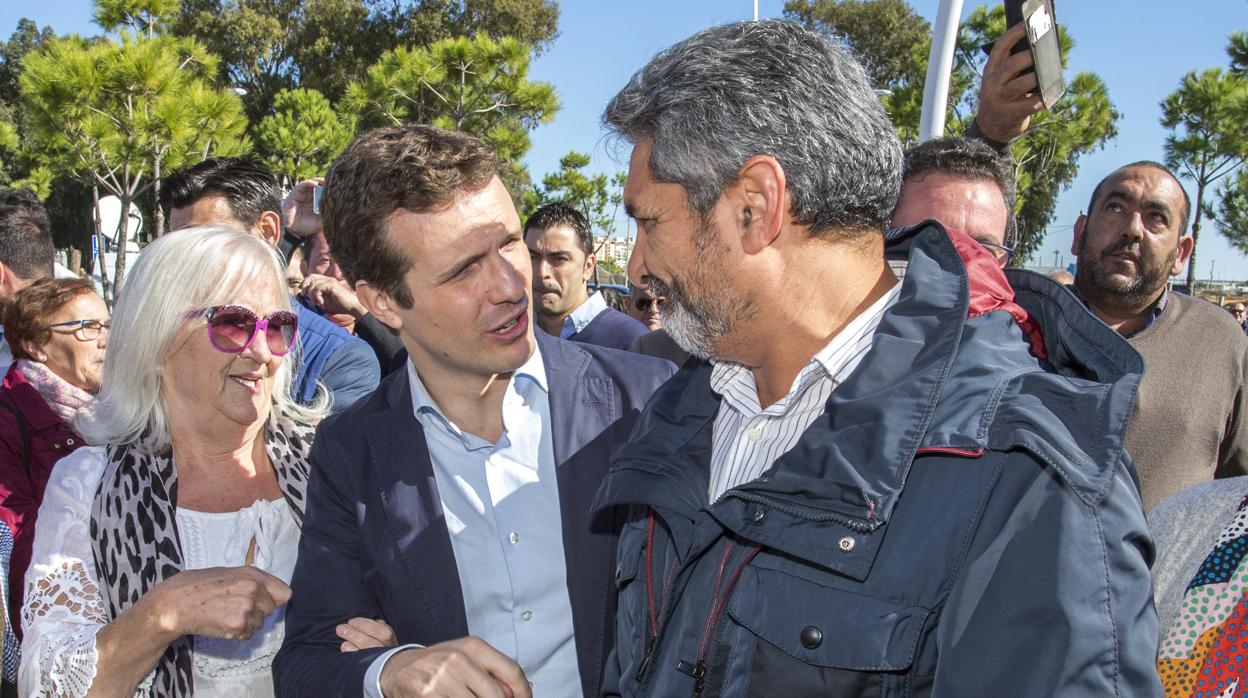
(845, 521)
(654, 611)
(719, 601)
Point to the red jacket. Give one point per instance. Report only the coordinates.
(20, 493)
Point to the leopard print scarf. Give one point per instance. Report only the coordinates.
(135, 530)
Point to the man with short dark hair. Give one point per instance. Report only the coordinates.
(453, 502)
(965, 185)
(1190, 422)
(561, 247)
(26, 250)
(870, 487)
(243, 194)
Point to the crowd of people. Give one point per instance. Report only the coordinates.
(381, 437)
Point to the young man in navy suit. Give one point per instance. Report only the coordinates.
(454, 502)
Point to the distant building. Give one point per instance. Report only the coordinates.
(616, 249)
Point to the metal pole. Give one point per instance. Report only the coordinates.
(755, 10)
(939, 65)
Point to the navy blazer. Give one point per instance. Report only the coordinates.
(375, 542)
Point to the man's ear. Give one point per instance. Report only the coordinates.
(1186, 245)
(380, 304)
(759, 201)
(10, 283)
(269, 227)
(1081, 224)
(590, 262)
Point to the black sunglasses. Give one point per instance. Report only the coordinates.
(643, 304)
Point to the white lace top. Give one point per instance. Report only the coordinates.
(64, 607)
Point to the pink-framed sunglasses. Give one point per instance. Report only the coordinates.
(232, 328)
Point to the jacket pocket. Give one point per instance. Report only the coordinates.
(817, 640)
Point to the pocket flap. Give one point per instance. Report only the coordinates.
(853, 631)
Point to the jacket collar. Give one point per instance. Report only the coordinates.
(852, 462)
(26, 398)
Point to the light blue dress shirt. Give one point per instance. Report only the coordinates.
(501, 503)
(583, 315)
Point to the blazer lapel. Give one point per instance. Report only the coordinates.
(414, 519)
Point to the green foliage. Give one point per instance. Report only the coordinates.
(1238, 52)
(588, 194)
(269, 45)
(302, 136)
(476, 85)
(114, 113)
(1207, 117)
(1232, 214)
(145, 17)
(862, 24)
(894, 42)
(609, 265)
(16, 162)
(26, 37)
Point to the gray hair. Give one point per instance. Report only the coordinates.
(185, 270)
(738, 90)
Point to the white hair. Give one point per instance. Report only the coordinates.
(186, 270)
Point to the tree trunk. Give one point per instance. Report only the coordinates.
(1200, 211)
(158, 213)
(101, 244)
(123, 232)
(75, 260)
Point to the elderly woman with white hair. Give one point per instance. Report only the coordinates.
(162, 553)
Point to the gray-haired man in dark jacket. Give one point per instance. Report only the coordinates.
(873, 488)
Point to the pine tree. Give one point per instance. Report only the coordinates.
(114, 113)
(302, 136)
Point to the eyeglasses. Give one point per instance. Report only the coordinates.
(643, 304)
(84, 330)
(232, 328)
(1001, 252)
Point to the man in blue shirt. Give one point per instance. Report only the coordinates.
(454, 502)
(562, 250)
(243, 194)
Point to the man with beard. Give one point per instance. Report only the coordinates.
(871, 487)
(1190, 420)
(562, 250)
(646, 307)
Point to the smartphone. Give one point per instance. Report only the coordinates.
(1041, 24)
(316, 199)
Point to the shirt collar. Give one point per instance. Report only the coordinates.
(1149, 319)
(532, 371)
(583, 315)
(736, 382)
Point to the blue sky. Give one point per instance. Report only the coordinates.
(1141, 48)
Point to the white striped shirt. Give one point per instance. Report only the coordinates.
(747, 439)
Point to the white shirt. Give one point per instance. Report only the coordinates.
(501, 503)
(747, 439)
(64, 608)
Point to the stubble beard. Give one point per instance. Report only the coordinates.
(697, 314)
(1112, 291)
